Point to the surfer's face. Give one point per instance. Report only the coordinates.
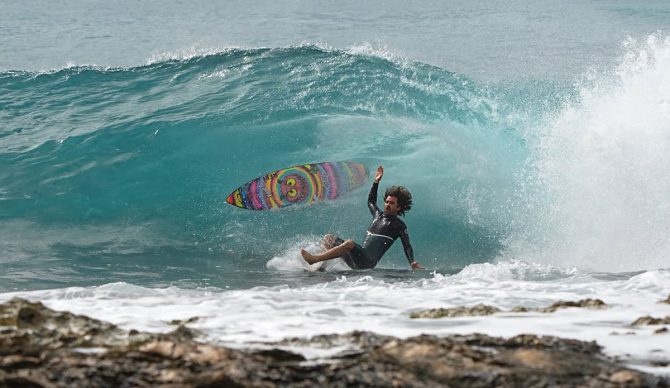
(391, 207)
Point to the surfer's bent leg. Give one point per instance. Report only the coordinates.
(332, 253)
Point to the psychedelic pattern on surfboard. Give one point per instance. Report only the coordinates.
(298, 185)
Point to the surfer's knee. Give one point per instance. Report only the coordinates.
(349, 244)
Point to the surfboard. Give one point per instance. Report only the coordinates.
(299, 185)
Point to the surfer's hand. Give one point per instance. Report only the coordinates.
(379, 174)
(416, 265)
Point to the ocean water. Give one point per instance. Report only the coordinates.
(533, 136)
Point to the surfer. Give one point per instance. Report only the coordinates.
(385, 228)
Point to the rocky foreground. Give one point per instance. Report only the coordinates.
(40, 347)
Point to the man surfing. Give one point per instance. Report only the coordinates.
(385, 228)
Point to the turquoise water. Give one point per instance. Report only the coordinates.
(527, 130)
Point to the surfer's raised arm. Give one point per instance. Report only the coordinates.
(379, 174)
(372, 197)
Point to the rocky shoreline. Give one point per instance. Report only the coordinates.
(482, 309)
(40, 347)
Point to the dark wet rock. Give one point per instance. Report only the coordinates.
(666, 300)
(179, 322)
(476, 310)
(43, 348)
(482, 309)
(34, 327)
(648, 320)
(279, 355)
(584, 303)
(662, 330)
(184, 333)
(360, 339)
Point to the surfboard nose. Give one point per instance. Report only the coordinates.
(230, 199)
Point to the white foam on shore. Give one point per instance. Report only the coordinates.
(245, 317)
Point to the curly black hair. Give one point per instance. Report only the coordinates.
(404, 198)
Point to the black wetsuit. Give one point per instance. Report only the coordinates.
(382, 232)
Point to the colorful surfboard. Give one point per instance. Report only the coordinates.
(299, 185)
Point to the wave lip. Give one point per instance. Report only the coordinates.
(599, 171)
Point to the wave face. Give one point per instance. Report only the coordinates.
(106, 170)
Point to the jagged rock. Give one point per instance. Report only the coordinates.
(37, 327)
(482, 309)
(279, 355)
(179, 322)
(662, 330)
(184, 333)
(361, 339)
(584, 303)
(41, 347)
(476, 310)
(666, 300)
(648, 320)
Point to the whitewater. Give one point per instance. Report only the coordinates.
(536, 180)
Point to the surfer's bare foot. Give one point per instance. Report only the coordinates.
(309, 258)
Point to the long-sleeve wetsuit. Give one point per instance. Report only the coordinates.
(384, 230)
(381, 234)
